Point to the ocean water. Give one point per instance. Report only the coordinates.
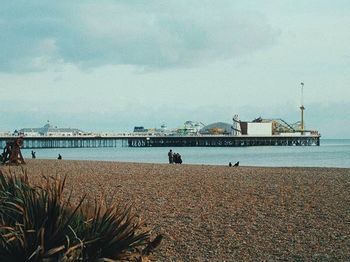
(331, 153)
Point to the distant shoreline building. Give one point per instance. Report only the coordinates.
(49, 130)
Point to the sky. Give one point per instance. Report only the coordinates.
(110, 65)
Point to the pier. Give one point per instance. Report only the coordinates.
(162, 141)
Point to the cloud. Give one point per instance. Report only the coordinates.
(36, 35)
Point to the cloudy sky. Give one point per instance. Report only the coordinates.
(113, 64)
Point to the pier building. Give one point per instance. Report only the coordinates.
(48, 130)
(259, 132)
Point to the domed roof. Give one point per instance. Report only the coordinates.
(217, 128)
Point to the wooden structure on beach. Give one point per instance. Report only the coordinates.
(164, 141)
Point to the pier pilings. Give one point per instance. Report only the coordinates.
(224, 141)
(163, 141)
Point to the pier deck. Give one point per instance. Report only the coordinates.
(163, 141)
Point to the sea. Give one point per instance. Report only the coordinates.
(331, 153)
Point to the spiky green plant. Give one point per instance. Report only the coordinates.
(37, 224)
(34, 221)
(112, 232)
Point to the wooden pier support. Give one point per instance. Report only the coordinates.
(164, 141)
(224, 141)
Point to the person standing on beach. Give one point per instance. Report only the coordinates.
(33, 154)
(171, 156)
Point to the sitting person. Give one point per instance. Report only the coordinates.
(177, 158)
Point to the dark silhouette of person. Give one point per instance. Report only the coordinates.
(171, 156)
(33, 154)
(59, 157)
(179, 159)
(237, 163)
(229, 164)
(174, 158)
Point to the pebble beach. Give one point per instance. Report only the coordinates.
(221, 213)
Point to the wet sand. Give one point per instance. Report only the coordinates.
(221, 213)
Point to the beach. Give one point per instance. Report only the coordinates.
(221, 213)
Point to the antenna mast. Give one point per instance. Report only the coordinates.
(302, 108)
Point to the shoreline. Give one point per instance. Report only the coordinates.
(183, 164)
(221, 213)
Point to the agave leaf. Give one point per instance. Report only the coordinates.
(104, 259)
(73, 213)
(74, 248)
(6, 228)
(35, 253)
(53, 251)
(8, 235)
(11, 239)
